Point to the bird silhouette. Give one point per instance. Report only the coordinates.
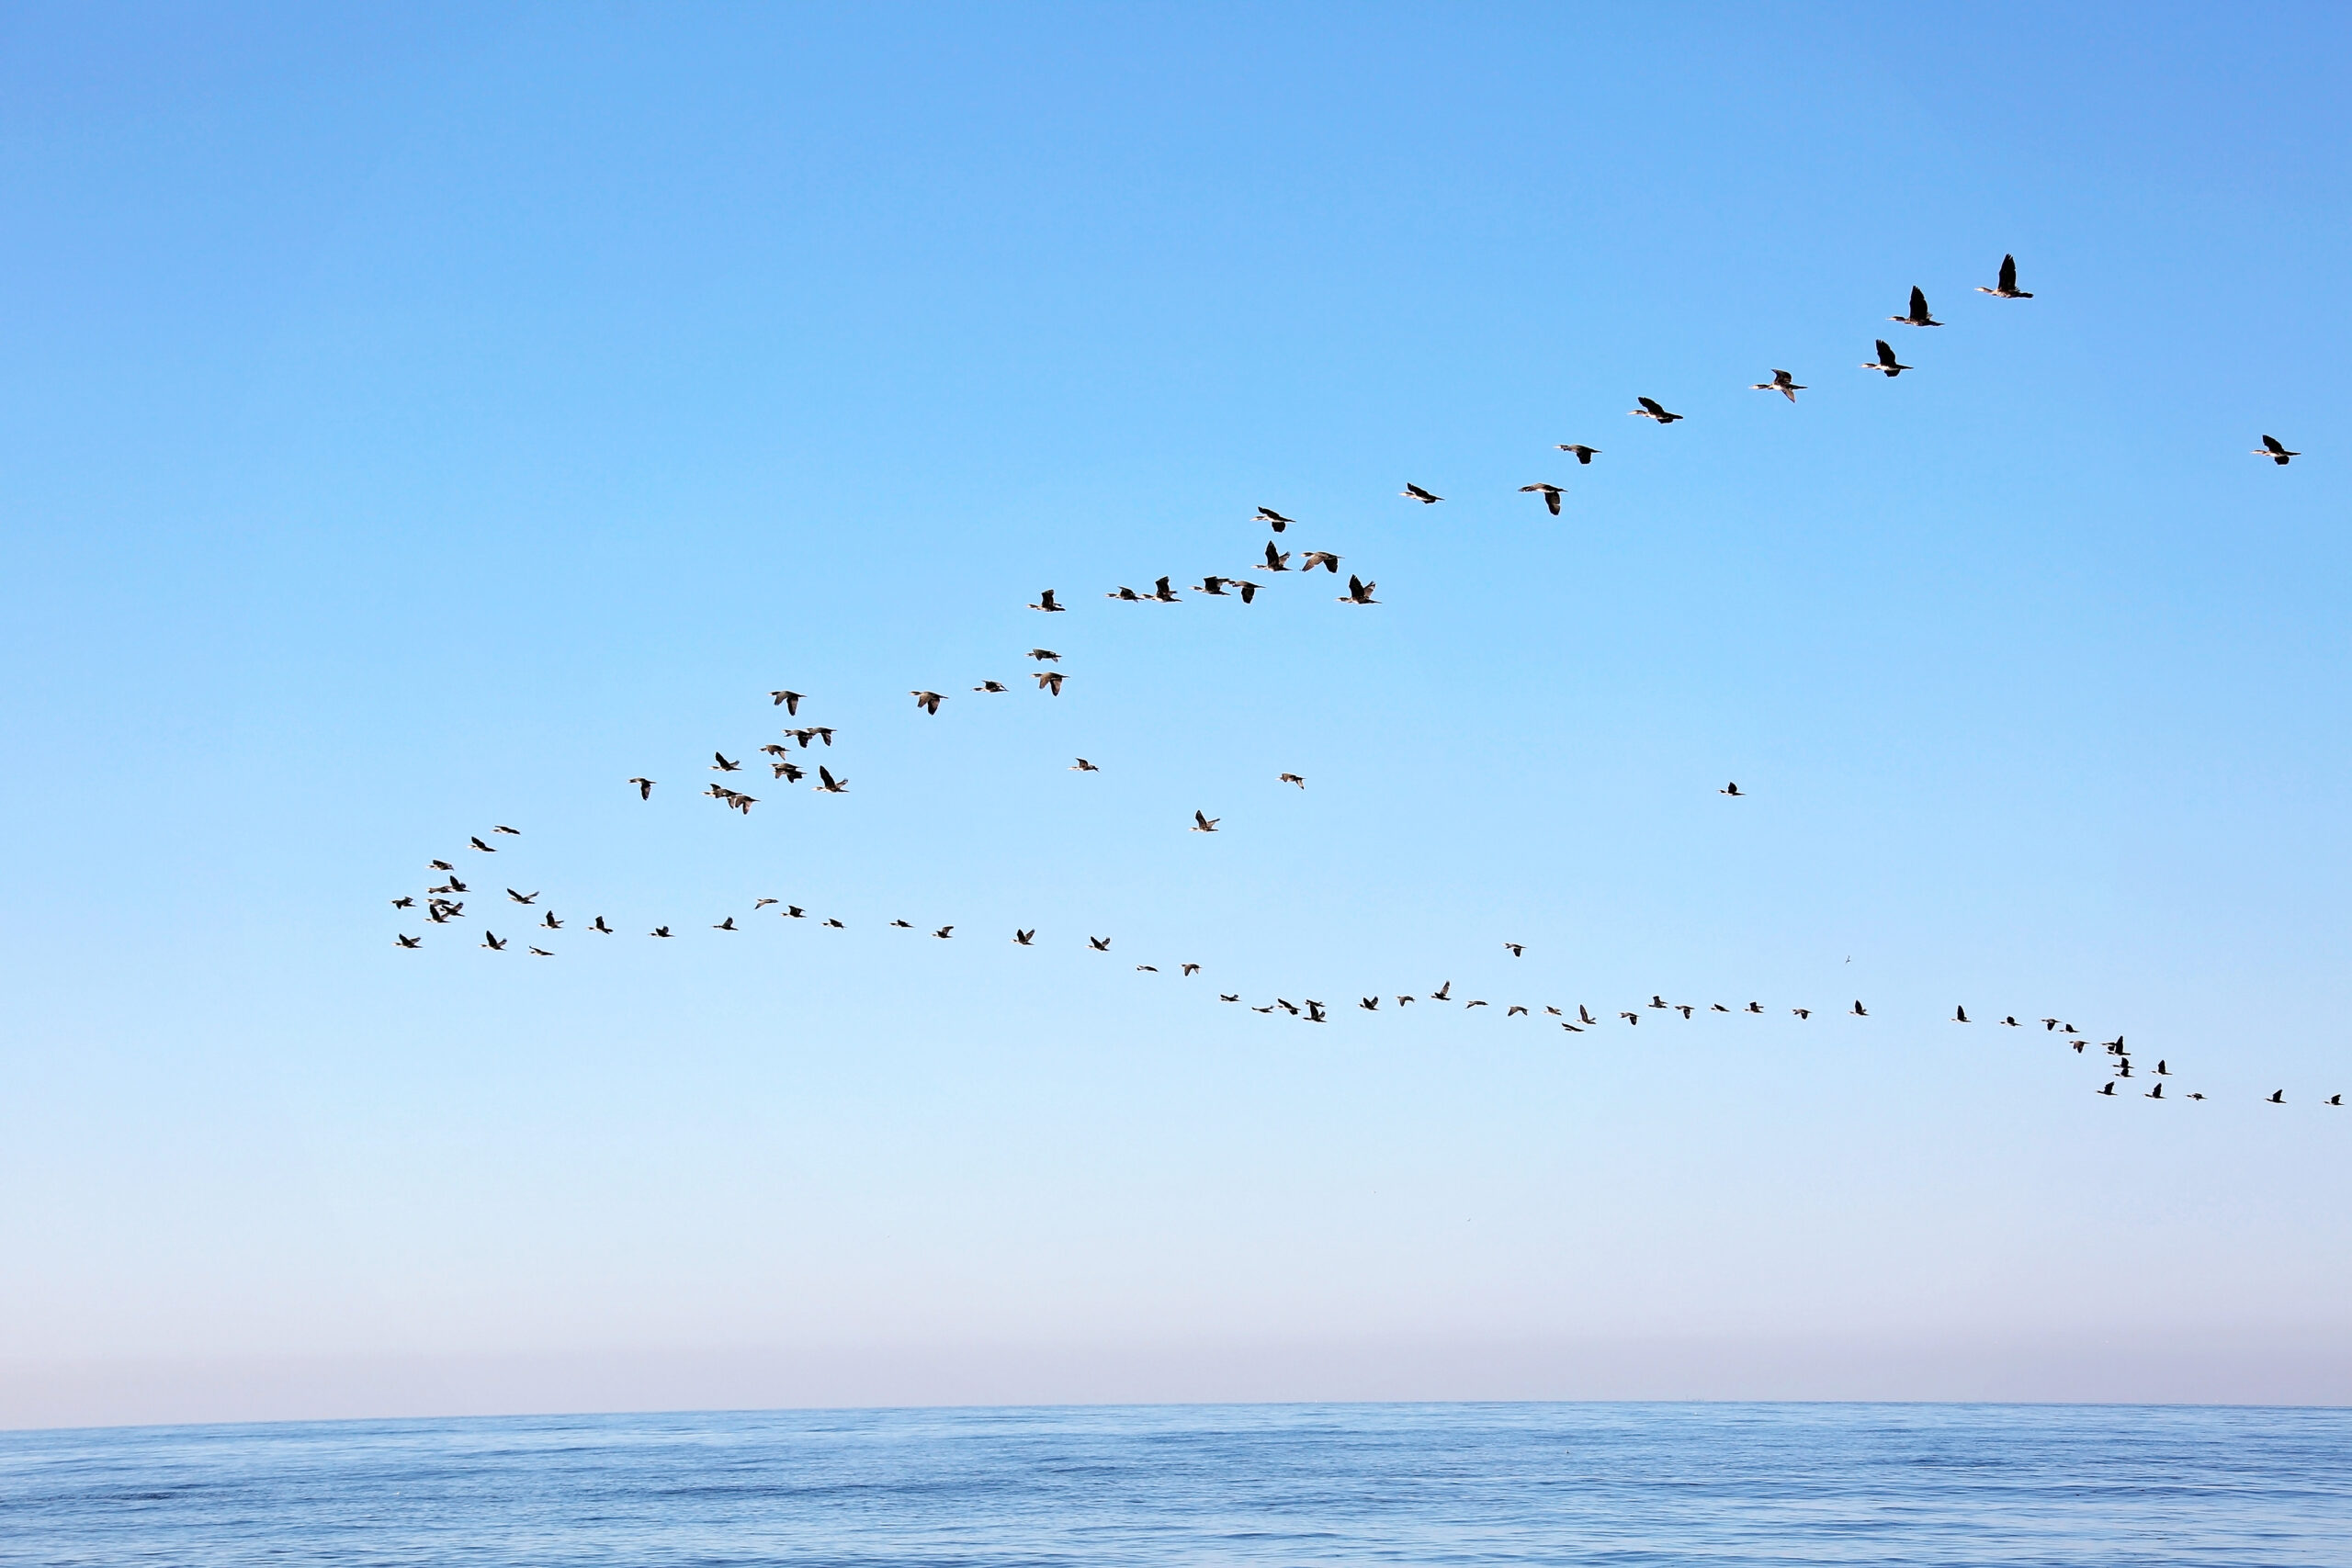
(1517, 949)
(1276, 561)
(1584, 455)
(1273, 519)
(1202, 823)
(1049, 680)
(1918, 315)
(406, 941)
(1359, 591)
(1323, 558)
(1886, 364)
(788, 701)
(1024, 939)
(829, 785)
(720, 764)
(1781, 382)
(991, 686)
(1860, 1012)
(927, 701)
(1732, 788)
(1045, 655)
(2274, 449)
(944, 932)
(1045, 602)
(1099, 944)
(2007, 287)
(486, 849)
(490, 939)
(1289, 779)
(1083, 766)
(1652, 409)
(1551, 494)
(644, 788)
(1415, 492)
(1960, 1015)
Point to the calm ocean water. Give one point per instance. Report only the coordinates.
(1621, 1484)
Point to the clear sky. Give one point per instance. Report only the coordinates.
(414, 419)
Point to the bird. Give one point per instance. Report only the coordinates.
(1632, 1018)
(822, 731)
(550, 922)
(1261, 1009)
(788, 701)
(502, 828)
(1584, 1015)
(902, 925)
(928, 701)
(1960, 1015)
(2048, 1024)
(539, 951)
(2108, 1088)
(1405, 1001)
(2007, 287)
(836, 924)
(1023, 939)
(2012, 1021)
(486, 849)
(1718, 1007)
(727, 925)
(1518, 949)
(1886, 364)
(1515, 1010)
(2335, 1100)
(1276, 561)
(1050, 680)
(1323, 558)
(1315, 1011)
(1164, 593)
(1652, 409)
(1551, 494)
(1781, 382)
(1570, 1027)
(943, 932)
(1802, 1012)
(1228, 997)
(1289, 779)
(490, 939)
(720, 764)
(1045, 655)
(1190, 969)
(793, 912)
(789, 773)
(1213, 586)
(2192, 1097)
(2163, 1071)
(1287, 1007)
(1415, 492)
(1045, 602)
(1443, 993)
(404, 902)
(991, 686)
(1685, 1009)
(1359, 591)
(1753, 1007)
(1099, 944)
(401, 941)
(829, 785)
(1124, 592)
(1583, 454)
(1249, 593)
(1083, 766)
(1917, 316)
(2274, 449)
(599, 927)
(2277, 1097)
(1369, 1004)
(1273, 519)
(522, 898)
(439, 865)
(1730, 788)
(1147, 968)
(660, 932)
(1860, 1012)
(644, 788)
(1656, 1000)
(1202, 823)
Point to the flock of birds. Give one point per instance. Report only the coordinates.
(443, 902)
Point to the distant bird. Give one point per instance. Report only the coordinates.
(1049, 680)
(2272, 449)
(1415, 492)
(1190, 969)
(720, 764)
(599, 927)
(1570, 1027)
(1551, 494)
(550, 922)
(2278, 1097)
(1802, 1012)
(1045, 655)
(789, 773)
(1261, 1009)
(1443, 993)
(1753, 1007)
(1404, 1001)
(902, 925)
(2335, 1100)
(406, 940)
(1083, 766)
(485, 849)
(540, 953)
(660, 931)
(1099, 944)
(1583, 1016)
(404, 902)
(1129, 594)
(1781, 382)
(836, 924)
(1656, 1000)
(823, 732)
(1315, 1011)
(1164, 593)
(522, 898)
(1215, 586)
(1287, 1007)
(490, 939)
(829, 785)
(793, 912)
(2007, 288)
(1632, 1018)
(443, 865)
(1652, 409)
(1024, 939)
(1273, 519)
(1917, 316)
(1886, 364)
(1228, 997)
(1289, 779)
(2192, 1097)
(1860, 1012)
(2108, 1088)
(1202, 823)
(1045, 602)
(1369, 1004)
(1248, 591)
(502, 828)
(991, 686)
(1359, 591)
(1583, 454)
(1323, 558)
(1685, 1009)
(927, 701)
(644, 788)
(437, 914)
(788, 701)
(727, 925)
(2049, 1023)
(1276, 561)
(943, 932)
(1730, 788)
(1147, 968)
(2011, 1022)
(1518, 949)
(2163, 1071)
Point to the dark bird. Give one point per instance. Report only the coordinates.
(1191, 970)
(943, 932)
(1289, 779)
(719, 763)
(599, 927)
(1083, 766)
(727, 925)
(1261, 1009)
(1276, 561)
(490, 939)
(1718, 1007)
(1099, 944)
(1515, 1010)
(550, 922)
(822, 731)
(1781, 382)
(1518, 949)
(1045, 655)
(1753, 1007)
(523, 897)
(788, 701)
(439, 865)
(1960, 1015)
(1656, 1000)
(2163, 1071)
(2336, 1099)
(660, 931)
(1323, 558)
(1359, 591)
(1050, 680)
(836, 925)
(2278, 1097)
(1732, 788)
(485, 849)
(1248, 591)
(1024, 939)
(1802, 1012)
(991, 686)
(1215, 586)
(1584, 1016)
(1164, 593)
(793, 912)
(927, 701)
(1045, 602)
(1632, 1018)
(1860, 1012)
(2192, 1097)
(2011, 1022)
(1315, 1011)
(1570, 1027)
(1129, 594)
(1202, 823)
(829, 785)
(540, 953)
(2275, 450)
(1443, 993)
(2007, 288)
(1918, 316)
(902, 925)
(2108, 1088)
(1286, 1007)
(1551, 494)
(406, 940)
(1369, 1004)
(403, 903)
(1415, 492)
(788, 772)
(1685, 1009)
(1273, 519)
(1228, 996)
(1652, 409)
(502, 828)
(1886, 364)
(644, 788)
(439, 914)
(1147, 968)
(2048, 1024)
(1404, 1001)
(1583, 454)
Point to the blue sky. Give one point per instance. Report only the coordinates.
(415, 419)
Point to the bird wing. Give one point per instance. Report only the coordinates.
(1652, 404)
(1918, 303)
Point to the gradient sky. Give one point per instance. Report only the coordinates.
(419, 418)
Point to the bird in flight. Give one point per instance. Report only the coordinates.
(599, 927)
(1083, 766)
(404, 902)
(1652, 409)
(1960, 1015)
(644, 788)
(2007, 288)
(1551, 494)
(1631, 1017)
(1045, 602)
(1802, 1012)
(1164, 593)
(1044, 656)
(486, 849)
(1583, 454)
(1860, 1012)
(406, 940)
(1191, 970)
(788, 701)
(522, 898)
(1213, 586)
(720, 764)
(902, 925)
(1204, 824)
(2278, 1097)
(1276, 561)
(660, 932)
(943, 932)
(1248, 591)
(1129, 594)
(927, 701)
(727, 925)
(991, 686)
(1359, 591)
(829, 785)
(1443, 993)
(504, 828)
(2276, 450)
(439, 865)
(836, 924)
(1050, 680)
(1515, 1010)
(794, 912)
(1415, 492)
(1917, 316)
(1024, 939)
(1518, 949)
(2108, 1088)
(1099, 944)
(1273, 519)
(1323, 558)
(1369, 1004)
(789, 773)
(1228, 995)
(1730, 788)
(1886, 364)
(1289, 779)
(540, 953)
(1781, 382)
(490, 939)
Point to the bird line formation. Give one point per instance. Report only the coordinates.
(443, 902)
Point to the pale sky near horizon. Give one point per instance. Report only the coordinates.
(421, 418)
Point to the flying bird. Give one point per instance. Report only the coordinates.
(927, 701)
(1886, 364)
(1099, 944)
(1273, 519)
(991, 686)
(1730, 788)
(1359, 591)
(1215, 586)
(836, 924)
(1781, 382)
(1518, 949)
(1315, 1011)
(1583, 454)
(1323, 558)
(439, 865)
(644, 788)
(404, 902)
(660, 932)
(1164, 593)
(1191, 970)
(406, 940)
(1652, 409)
(1083, 766)
(2108, 1088)
(2007, 288)
(1551, 494)
(1860, 1012)
(2276, 451)
(2278, 1097)
(540, 953)
(1248, 591)
(902, 925)
(1515, 1010)
(789, 773)
(1369, 1004)
(490, 939)
(720, 764)
(1045, 602)
(793, 912)
(1960, 1015)
(1276, 561)
(1802, 1012)
(943, 932)
(1050, 680)
(788, 701)
(599, 927)
(522, 898)
(1415, 492)
(486, 849)
(1129, 594)
(727, 925)
(550, 922)
(1204, 824)
(829, 785)
(1045, 655)
(1023, 939)
(1289, 779)
(1917, 316)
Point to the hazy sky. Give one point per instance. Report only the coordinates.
(415, 419)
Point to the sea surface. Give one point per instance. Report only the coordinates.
(1621, 1484)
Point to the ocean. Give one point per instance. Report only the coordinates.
(1619, 1484)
